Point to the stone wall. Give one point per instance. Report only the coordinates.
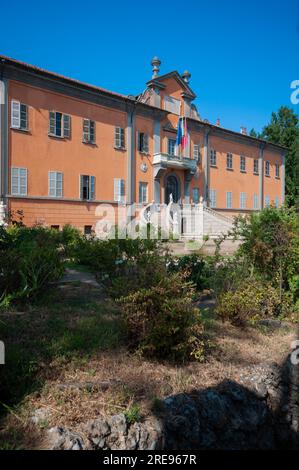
(262, 412)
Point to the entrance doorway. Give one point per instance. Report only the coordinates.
(172, 188)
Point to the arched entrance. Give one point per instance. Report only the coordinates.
(172, 187)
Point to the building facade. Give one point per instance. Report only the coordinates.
(67, 147)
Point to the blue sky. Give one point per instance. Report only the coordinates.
(242, 54)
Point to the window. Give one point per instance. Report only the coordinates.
(195, 195)
(277, 170)
(256, 166)
(212, 197)
(213, 157)
(19, 115)
(171, 147)
(59, 124)
(242, 164)
(143, 142)
(277, 201)
(119, 190)
(255, 201)
(87, 187)
(119, 138)
(87, 229)
(55, 227)
(89, 131)
(19, 181)
(172, 105)
(55, 184)
(242, 200)
(229, 200)
(196, 152)
(142, 192)
(267, 168)
(267, 201)
(229, 161)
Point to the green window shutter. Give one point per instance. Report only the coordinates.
(92, 131)
(92, 187)
(145, 143)
(52, 123)
(86, 133)
(66, 126)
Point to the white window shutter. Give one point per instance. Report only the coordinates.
(15, 114)
(59, 184)
(86, 130)
(117, 137)
(116, 189)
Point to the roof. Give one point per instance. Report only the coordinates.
(52, 75)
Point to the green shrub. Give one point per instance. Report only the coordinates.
(161, 320)
(29, 259)
(252, 300)
(132, 414)
(271, 243)
(195, 265)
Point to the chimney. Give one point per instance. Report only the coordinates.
(218, 122)
(156, 66)
(186, 76)
(243, 130)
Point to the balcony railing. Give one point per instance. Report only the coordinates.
(172, 161)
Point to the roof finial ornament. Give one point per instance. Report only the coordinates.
(156, 66)
(186, 76)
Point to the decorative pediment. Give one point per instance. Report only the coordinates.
(187, 92)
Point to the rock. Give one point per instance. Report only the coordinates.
(63, 439)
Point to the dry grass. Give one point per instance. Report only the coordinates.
(130, 379)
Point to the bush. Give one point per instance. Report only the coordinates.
(271, 243)
(161, 320)
(252, 300)
(196, 267)
(29, 259)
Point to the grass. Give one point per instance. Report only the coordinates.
(64, 325)
(75, 335)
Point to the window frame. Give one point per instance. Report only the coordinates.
(143, 142)
(229, 201)
(277, 171)
(119, 194)
(196, 152)
(198, 195)
(267, 168)
(65, 125)
(242, 164)
(19, 118)
(91, 187)
(256, 170)
(173, 141)
(243, 200)
(19, 191)
(213, 200)
(229, 161)
(213, 158)
(56, 173)
(89, 135)
(255, 202)
(119, 138)
(143, 184)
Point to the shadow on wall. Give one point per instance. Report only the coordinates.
(232, 416)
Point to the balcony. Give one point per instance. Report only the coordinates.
(170, 161)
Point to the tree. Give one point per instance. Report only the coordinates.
(283, 129)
